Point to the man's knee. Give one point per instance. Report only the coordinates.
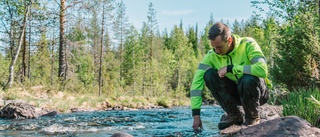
(249, 81)
(211, 75)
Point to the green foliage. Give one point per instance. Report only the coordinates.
(237, 28)
(298, 103)
(84, 70)
(295, 63)
(204, 44)
(3, 70)
(277, 93)
(40, 61)
(132, 56)
(268, 44)
(163, 101)
(76, 35)
(204, 41)
(315, 101)
(192, 35)
(292, 49)
(183, 65)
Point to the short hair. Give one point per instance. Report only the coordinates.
(217, 29)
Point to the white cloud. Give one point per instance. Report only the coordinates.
(176, 12)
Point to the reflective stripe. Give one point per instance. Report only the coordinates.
(196, 93)
(246, 69)
(204, 67)
(258, 59)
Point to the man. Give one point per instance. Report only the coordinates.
(235, 72)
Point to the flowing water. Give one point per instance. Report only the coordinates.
(173, 122)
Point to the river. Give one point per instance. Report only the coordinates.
(172, 122)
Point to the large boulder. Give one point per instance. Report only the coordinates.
(272, 124)
(267, 112)
(19, 110)
(282, 127)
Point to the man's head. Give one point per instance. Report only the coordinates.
(220, 38)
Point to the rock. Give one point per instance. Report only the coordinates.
(267, 112)
(121, 135)
(285, 126)
(81, 109)
(232, 130)
(19, 110)
(46, 112)
(318, 122)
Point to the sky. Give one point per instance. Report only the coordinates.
(191, 12)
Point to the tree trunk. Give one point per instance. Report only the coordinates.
(62, 45)
(101, 47)
(52, 59)
(29, 72)
(24, 67)
(15, 57)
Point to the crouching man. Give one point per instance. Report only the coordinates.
(235, 71)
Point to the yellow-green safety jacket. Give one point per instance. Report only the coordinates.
(246, 58)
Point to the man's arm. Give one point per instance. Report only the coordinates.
(258, 62)
(197, 87)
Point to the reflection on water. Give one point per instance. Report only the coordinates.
(173, 122)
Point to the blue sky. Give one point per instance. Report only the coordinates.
(170, 12)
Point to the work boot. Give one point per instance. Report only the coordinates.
(251, 121)
(230, 120)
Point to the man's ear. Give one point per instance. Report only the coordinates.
(230, 40)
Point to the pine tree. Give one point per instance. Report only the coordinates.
(42, 69)
(193, 39)
(184, 64)
(120, 31)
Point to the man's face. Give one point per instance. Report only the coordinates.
(221, 47)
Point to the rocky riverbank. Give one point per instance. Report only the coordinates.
(272, 124)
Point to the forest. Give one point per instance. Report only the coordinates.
(81, 46)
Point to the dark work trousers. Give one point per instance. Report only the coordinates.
(250, 92)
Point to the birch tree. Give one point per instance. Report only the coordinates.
(15, 57)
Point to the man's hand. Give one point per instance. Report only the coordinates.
(222, 72)
(197, 123)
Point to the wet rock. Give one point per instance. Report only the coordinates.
(19, 110)
(81, 109)
(48, 113)
(121, 135)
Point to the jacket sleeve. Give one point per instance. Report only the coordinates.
(257, 60)
(198, 85)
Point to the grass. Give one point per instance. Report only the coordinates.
(50, 98)
(302, 103)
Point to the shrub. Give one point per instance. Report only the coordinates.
(300, 103)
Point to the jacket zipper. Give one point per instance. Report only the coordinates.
(232, 64)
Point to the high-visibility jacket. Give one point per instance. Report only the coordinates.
(246, 58)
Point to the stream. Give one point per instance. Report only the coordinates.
(167, 122)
